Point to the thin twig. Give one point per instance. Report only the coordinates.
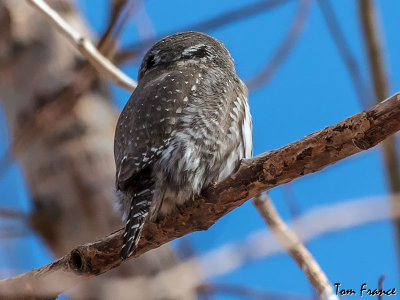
(292, 36)
(121, 11)
(314, 152)
(291, 243)
(85, 47)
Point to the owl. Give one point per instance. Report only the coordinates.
(186, 125)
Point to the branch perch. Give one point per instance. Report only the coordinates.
(85, 47)
(310, 154)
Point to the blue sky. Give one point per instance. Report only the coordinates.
(311, 90)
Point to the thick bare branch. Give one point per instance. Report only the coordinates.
(316, 151)
(311, 225)
(85, 47)
(292, 244)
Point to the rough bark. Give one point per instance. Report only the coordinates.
(66, 152)
(316, 151)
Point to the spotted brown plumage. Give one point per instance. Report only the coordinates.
(185, 126)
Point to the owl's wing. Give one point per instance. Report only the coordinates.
(145, 125)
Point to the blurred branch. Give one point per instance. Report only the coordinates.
(121, 10)
(347, 56)
(244, 292)
(316, 151)
(205, 26)
(13, 214)
(18, 228)
(380, 285)
(85, 47)
(117, 10)
(378, 73)
(65, 100)
(11, 232)
(373, 44)
(292, 36)
(290, 199)
(291, 243)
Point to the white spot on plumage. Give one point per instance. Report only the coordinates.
(179, 110)
(193, 87)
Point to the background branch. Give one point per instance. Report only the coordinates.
(291, 243)
(244, 292)
(288, 43)
(85, 47)
(316, 151)
(350, 61)
(379, 78)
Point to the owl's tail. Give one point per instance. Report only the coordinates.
(138, 212)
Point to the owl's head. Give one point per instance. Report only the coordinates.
(186, 48)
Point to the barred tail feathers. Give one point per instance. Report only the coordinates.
(139, 209)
